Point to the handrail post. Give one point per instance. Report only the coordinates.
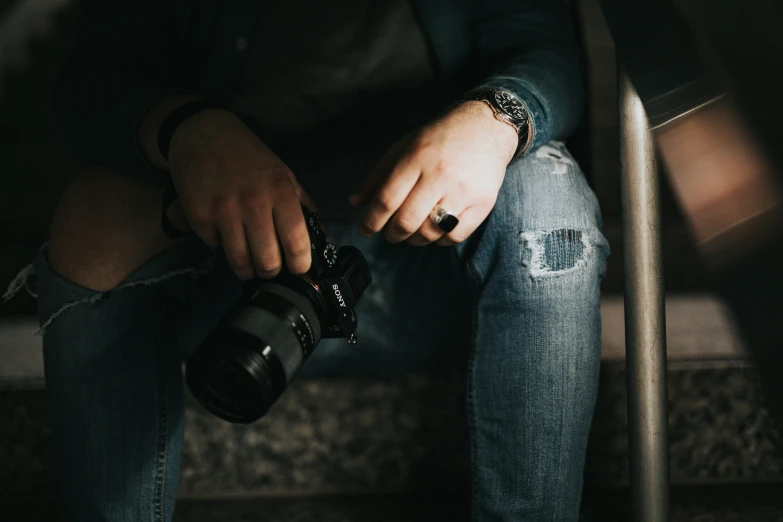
(645, 323)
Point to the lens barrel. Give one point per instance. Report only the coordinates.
(246, 363)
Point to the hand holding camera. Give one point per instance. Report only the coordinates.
(249, 359)
(237, 193)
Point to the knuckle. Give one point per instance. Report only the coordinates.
(405, 224)
(238, 261)
(253, 199)
(431, 235)
(443, 167)
(385, 202)
(420, 143)
(244, 271)
(488, 200)
(299, 247)
(224, 207)
(280, 180)
(269, 266)
(200, 214)
(373, 226)
(456, 238)
(268, 275)
(237, 258)
(299, 266)
(466, 186)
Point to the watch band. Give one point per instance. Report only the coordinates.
(522, 127)
(175, 118)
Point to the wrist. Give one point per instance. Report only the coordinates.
(196, 132)
(150, 124)
(503, 133)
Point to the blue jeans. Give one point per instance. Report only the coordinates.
(521, 296)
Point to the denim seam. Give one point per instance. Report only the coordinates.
(555, 515)
(163, 433)
(471, 404)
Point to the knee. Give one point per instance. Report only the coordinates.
(533, 242)
(566, 253)
(105, 226)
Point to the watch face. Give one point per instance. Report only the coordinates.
(509, 104)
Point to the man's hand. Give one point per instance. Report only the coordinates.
(236, 192)
(457, 162)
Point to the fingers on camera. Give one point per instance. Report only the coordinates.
(264, 249)
(292, 233)
(232, 236)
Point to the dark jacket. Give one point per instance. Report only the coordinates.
(130, 53)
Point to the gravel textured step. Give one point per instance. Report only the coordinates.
(356, 436)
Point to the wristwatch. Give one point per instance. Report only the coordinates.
(509, 109)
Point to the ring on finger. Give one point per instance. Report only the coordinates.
(444, 219)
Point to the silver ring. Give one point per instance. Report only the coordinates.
(445, 220)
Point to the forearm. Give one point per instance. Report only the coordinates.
(529, 47)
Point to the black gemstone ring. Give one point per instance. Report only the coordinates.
(445, 221)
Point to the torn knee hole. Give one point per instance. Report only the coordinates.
(21, 281)
(554, 252)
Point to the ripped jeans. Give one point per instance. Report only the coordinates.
(517, 305)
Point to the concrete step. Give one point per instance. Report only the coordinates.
(697, 327)
(728, 503)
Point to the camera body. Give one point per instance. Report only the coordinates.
(246, 362)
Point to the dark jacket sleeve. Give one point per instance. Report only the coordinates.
(530, 48)
(122, 61)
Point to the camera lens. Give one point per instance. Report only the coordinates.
(244, 365)
(233, 381)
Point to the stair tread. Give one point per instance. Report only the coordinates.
(697, 327)
(730, 503)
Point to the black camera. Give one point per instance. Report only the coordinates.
(248, 360)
